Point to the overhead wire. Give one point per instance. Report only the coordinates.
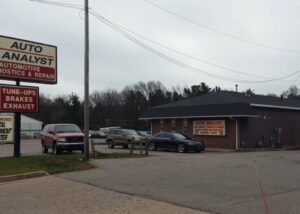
(75, 6)
(158, 53)
(115, 27)
(190, 56)
(221, 32)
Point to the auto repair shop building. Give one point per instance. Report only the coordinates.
(231, 120)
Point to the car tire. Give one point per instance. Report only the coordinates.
(110, 145)
(56, 150)
(181, 148)
(45, 149)
(152, 147)
(198, 151)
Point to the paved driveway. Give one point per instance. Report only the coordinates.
(56, 195)
(215, 182)
(28, 147)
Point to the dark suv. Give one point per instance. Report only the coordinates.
(122, 137)
(59, 137)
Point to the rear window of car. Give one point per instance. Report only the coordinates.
(66, 128)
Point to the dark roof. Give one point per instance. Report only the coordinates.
(217, 104)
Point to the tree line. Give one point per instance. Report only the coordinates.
(121, 108)
(111, 107)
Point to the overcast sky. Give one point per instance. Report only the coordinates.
(116, 61)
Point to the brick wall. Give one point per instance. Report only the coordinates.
(226, 142)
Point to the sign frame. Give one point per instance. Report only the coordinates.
(208, 132)
(20, 111)
(28, 79)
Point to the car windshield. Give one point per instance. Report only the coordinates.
(179, 136)
(131, 132)
(67, 128)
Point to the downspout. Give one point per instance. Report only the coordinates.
(237, 134)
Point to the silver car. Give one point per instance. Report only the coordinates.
(123, 137)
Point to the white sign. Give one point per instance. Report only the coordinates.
(6, 129)
(27, 61)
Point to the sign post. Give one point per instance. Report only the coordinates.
(17, 145)
(27, 61)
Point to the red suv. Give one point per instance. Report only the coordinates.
(59, 137)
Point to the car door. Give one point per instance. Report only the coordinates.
(49, 136)
(118, 136)
(161, 140)
(168, 141)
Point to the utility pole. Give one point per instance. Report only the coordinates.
(86, 80)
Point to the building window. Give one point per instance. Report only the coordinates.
(185, 126)
(161, 127)
(173, 125)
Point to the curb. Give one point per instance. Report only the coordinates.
(8, 178)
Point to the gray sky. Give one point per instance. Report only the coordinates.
(116, 61)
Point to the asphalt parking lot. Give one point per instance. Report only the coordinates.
(211, 181)
(215, 182)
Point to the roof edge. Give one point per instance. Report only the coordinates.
(274, 106)
(208, 116)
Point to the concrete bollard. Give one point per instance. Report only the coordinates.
(93, 147)
(131, 149)
(146, 148)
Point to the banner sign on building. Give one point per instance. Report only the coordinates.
(27, 61)
(18, 98)
(209, 127)
(6, 128)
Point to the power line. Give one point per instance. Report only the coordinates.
(160, 54)
(161, 45)
(166, 57)
(190, 56)
(59, 4)
(221, 32)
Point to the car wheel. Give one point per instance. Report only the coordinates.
(126, 146)
(45, 149)
(181, 148)
(110, 145)
(198, 151)
(152, 146)
(56, 150)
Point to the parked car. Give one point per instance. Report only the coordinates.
(122, 137)
(144, 133)
(173, 140)
(59, 137)
(97, 134)
(106, 129)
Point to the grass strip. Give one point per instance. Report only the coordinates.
(52, 164)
